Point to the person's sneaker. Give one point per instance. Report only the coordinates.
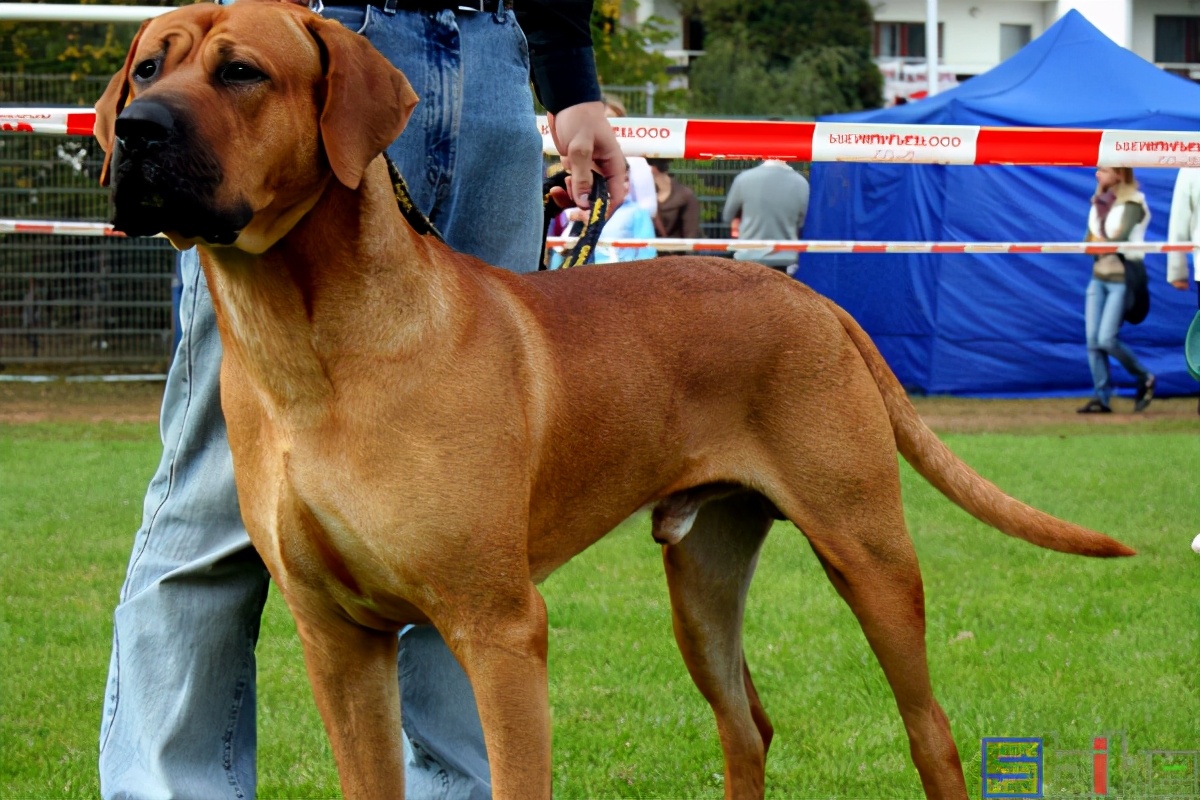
(1145, 393)
(1094, 406)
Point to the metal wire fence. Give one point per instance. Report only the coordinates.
(73, 300)
(19, 88)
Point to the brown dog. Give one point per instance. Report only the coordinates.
(419, 437)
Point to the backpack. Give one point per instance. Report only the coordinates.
(1137, 291)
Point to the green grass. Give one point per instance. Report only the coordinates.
(1022, 642)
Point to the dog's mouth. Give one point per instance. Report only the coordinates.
(163, 187)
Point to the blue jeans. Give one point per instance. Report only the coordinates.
(1103, 314)
(179, 707)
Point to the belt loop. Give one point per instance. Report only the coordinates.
(390, 6)
(499, 14)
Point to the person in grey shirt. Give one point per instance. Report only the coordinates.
(769, 201)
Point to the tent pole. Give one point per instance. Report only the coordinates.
(931, 46)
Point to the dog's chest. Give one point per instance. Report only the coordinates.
(331, 530)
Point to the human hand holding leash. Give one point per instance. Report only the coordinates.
(584, 138)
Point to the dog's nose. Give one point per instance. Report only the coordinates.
(144, 122)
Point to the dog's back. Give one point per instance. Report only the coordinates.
(730, 363)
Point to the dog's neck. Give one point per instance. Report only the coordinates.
(314, 310)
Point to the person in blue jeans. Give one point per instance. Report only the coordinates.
(1119, 213)
(179, 707)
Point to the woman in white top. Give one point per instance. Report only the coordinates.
(1118, 214)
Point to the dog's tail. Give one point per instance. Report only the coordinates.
(953, 478)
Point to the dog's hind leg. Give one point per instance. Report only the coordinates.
(831, 469)
(708, 574)
(889, 603)
(861, 541)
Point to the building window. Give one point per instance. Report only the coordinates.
(1013, 38)
(1177, 40)
(693, 33)
(904, 40)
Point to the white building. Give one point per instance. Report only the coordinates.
(976, 35)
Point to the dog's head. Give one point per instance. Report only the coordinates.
(227, 122)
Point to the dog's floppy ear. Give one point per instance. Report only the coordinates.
(111, 103)
(367, 101)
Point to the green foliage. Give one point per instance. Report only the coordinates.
(731, 79)
(77, 48)
(72, 48)
(784, 57)
(779, 29)
(623, 54)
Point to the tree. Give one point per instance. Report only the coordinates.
(68, 48)
(784, 57)
(624, 47)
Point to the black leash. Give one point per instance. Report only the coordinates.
(584, 250)
(419, 222)
(582, 253)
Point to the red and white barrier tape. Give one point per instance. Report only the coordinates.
(901, 144)
(74, 12)
(820, 141)
(57, 228)
(71, 121)
(734, 245)
(62, 228)
(764, 246)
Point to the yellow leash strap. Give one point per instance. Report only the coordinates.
(584, 250)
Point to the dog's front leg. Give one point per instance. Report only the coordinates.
(354, 679)
(503, 650)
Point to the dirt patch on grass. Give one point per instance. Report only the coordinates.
(63, 401)
(1054, 415)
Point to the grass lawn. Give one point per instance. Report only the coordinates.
(1022, 642)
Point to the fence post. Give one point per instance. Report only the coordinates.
(650, 89)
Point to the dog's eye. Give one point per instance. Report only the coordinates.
(237, 72)
(146, 70)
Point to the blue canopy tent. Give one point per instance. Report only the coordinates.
(1003, 325)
